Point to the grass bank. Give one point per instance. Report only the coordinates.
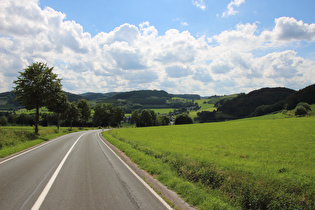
(250, 164)
(17, 138)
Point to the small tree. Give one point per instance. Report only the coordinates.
(135, 117)
(3, 120)
(302, 108)
(59, 106)
(36, 87)
(101, 115)
(183, 119)
(73, 113)
(85, 111)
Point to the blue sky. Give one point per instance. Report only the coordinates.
(182, 46)
(99, 15)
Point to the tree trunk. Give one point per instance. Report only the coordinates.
(37, 120)
(58, 121)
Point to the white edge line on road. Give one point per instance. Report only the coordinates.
(44, 193)
(30, 150)
(138, 177)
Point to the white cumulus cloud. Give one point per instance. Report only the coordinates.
(138, 57)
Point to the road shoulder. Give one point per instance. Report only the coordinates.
(167, 194)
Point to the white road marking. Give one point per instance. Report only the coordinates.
(44, 193)
(27, 151)
(138, 177)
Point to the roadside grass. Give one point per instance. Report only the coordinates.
(17, 138)
(258, 163)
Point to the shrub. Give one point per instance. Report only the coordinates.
(3, 120)
(302, 108)
(183, 119)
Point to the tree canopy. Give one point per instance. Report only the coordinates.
(36, 87)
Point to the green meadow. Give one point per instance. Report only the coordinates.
(254, 163)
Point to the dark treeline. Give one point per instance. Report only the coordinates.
(147, 118)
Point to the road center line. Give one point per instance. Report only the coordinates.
(44, 193)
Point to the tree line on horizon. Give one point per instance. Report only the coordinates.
(38, 87)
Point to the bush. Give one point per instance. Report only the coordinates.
(3, 120)
(183, 119)
(302, 109)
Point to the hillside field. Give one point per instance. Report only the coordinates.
(255, 163)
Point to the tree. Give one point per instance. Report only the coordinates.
(117, 114)
(85, 111)
(107, 115)
(101, 115)
(163, 120)
(3, 120)
(36, 87)
(135, 117)
(183, 119)
(59, 106)
(73, 113)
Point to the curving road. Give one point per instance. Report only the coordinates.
(75, 171)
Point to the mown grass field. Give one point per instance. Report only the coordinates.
(255, 163)
(17, 138)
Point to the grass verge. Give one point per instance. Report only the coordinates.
(17, 138)
(258, 163)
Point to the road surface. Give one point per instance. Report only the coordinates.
(75, 171)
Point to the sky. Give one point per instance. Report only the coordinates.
(203, 47)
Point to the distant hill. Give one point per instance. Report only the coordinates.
(244, 105)
(142, 94)
(7, 101)
(188, 96)
(95, 96)
(73, 97)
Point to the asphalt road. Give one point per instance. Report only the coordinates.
(75, 171)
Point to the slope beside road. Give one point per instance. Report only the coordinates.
(75, 171)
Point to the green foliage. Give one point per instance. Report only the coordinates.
(245, 104)
(36, 87)
(72, 114)
(183, 119)
(3, 120)
(145, 118)
(85, 110)
(59, 105)
(302, 108)
(304, 95)
(107, 115)
(256, 163)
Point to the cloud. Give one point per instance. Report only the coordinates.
(178, 71)
(231, 6)
(289, 29)
(138, 57)
(200, 4)
(183, 23)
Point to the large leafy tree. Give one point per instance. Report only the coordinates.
(36, 87)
